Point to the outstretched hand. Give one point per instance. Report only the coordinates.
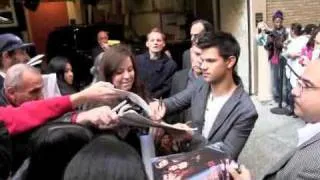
(102, 117)
(158, 110)
(243, 174)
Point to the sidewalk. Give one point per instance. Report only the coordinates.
(272, 137)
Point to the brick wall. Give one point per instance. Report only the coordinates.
(300, 11)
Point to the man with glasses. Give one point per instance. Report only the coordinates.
(183, 79)
(197, 27)
(12, 51)
(303, 161)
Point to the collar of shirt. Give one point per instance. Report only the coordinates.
(191, 75)
(2, 74)
(307, 132)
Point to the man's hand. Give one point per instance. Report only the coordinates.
(102, 117)
(178, 136)
(263, 26)
(243, 175)
(158, 110)
(98, 92)
(104, 46)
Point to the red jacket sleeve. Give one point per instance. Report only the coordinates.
(34, 113)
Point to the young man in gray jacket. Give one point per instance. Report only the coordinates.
(222, 111)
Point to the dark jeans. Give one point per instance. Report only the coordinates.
(289, 97)
(275, 81)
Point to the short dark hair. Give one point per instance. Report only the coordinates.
(206, 24)
(52, 147)
(106, 157)
(296, 28)
(309, 28)
(226, 44)
(311, 41)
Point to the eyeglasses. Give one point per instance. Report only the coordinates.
(305, 85)
(302, 83)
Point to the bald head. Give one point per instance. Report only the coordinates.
(306, 93)
(23, 83)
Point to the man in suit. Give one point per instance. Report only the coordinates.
(184, 79)
(198, 26)
(303, 161)
(102, 39)
(221, 110)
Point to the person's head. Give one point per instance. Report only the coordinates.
(155, 41)
(106, 157)
(166, 140)
(314, 39)
(195, 59)
(317, 38)
(306, 105)
(62, 67)
(295, 30)
(52, 148)
(220, 53)
(277, 19)
(309, 28)
(23, 83)
(102, 37)
(199, 26)
(12, 51)
(118, 67)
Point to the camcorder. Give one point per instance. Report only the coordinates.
(265, 31)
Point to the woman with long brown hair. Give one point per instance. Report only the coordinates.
(118, 67)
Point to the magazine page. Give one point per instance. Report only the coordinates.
(132, 118)
(134, 111)
(136, 99)
(199, 164)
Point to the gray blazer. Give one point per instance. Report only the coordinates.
(186, 64)
(302, 163)
(234, 122)
(179, 83)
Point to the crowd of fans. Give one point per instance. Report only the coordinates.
(289, 49)
(51, 130)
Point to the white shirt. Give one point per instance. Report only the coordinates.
(295, 46)
(307, 132)
(2, 74)
(214, 105)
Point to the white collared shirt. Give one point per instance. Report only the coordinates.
(3, 74)
(307, 132)
(214, 105)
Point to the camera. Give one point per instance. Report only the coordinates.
(268, 32)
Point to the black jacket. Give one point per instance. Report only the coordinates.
(5, 152)
(156, 74)
(3, 100)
